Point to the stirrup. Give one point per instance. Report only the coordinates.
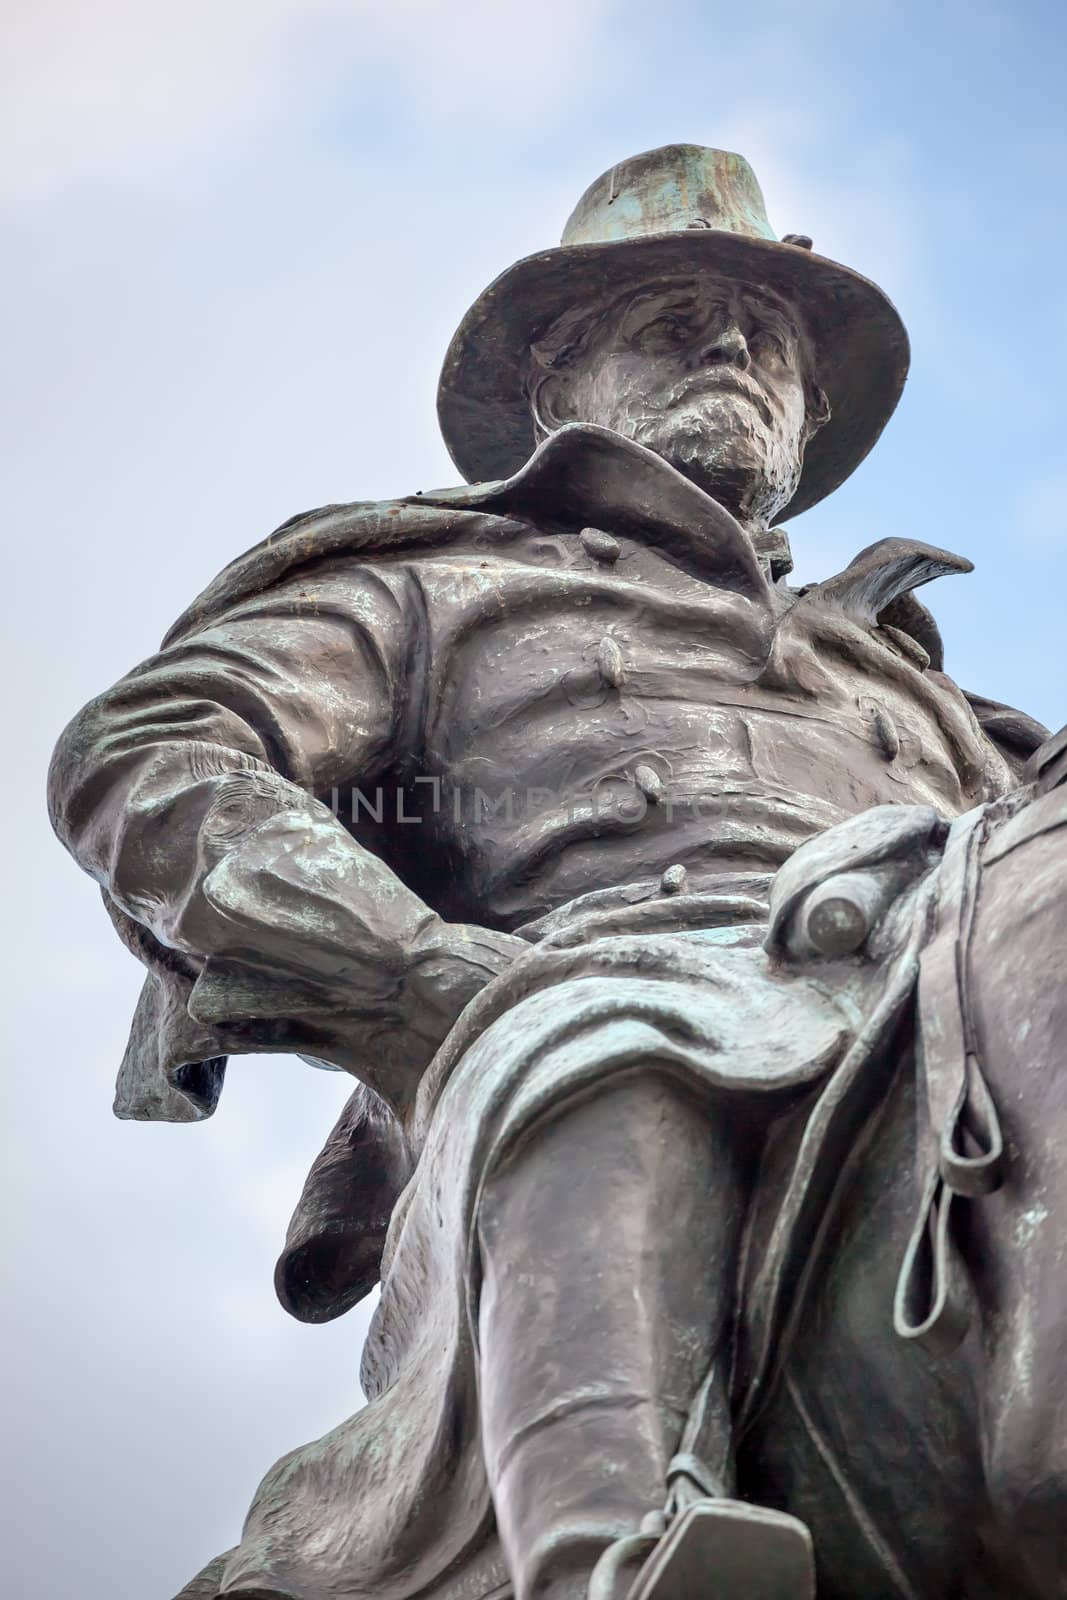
(715, 1550)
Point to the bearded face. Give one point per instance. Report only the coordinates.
(713, 376)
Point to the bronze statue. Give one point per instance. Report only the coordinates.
(696, 944)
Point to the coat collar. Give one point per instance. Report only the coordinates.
(584, 476)
(581, 476)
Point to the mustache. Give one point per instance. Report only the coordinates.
(719, 380)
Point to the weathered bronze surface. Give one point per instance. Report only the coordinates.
(696, 945)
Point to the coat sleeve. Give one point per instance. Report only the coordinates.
(256, 716)
(196, 792)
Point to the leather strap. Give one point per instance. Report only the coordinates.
(961, 1152)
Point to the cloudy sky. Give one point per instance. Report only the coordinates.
(236, 237)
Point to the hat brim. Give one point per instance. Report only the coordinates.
(860, 344)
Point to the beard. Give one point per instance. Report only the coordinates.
(726, 445)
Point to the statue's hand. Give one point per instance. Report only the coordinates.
(451, 962)
(297, 897)
(297, 921)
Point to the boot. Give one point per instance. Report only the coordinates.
(608, 1249)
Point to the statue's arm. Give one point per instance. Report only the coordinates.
(188, 790)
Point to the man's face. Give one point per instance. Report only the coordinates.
(711, 375)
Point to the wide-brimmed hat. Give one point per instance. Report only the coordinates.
(679, 209)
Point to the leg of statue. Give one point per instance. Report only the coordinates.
(608, 1246)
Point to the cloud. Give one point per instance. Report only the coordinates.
(116, 87)
(119, 81)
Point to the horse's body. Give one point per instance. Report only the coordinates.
(875, 1443)
(944, 1477)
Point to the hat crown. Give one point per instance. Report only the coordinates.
(676, 187)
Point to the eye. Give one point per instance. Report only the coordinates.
(764, 343)
(662, 334)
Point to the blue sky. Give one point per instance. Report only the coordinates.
(236, 239)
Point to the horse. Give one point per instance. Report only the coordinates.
(938, 1468)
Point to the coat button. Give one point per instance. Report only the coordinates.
(674, 880)
(610, 663)
(600, 545)
(885, 730)
(649, 782)
(906, 646)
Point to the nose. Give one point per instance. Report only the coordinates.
(727, 347)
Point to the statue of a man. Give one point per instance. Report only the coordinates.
(479, 796)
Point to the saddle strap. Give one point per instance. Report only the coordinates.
(961, 1154)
